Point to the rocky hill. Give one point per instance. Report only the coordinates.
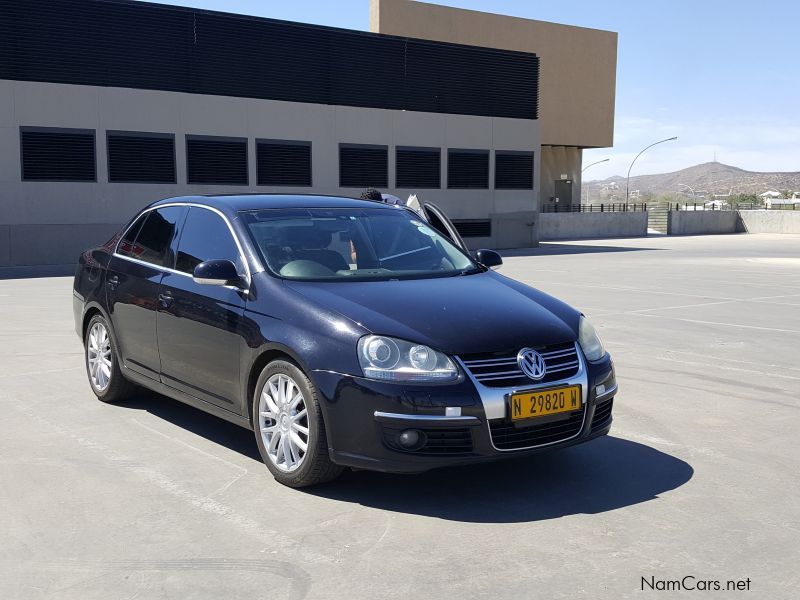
(705, 179)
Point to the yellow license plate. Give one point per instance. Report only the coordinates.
(529, 405)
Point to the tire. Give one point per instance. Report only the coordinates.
(105, 376)
(282, 424)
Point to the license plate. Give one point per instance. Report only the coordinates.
(529, 405)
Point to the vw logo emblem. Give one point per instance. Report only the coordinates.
(531, 363)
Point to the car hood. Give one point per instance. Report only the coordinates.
(484, 312)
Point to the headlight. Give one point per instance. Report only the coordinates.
(589, 340)
(389, 359)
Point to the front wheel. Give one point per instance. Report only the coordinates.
(289, 427)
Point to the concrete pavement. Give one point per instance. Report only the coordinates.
(699, 477)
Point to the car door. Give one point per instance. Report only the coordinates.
(132, 280)
(200, 326)
(439, 221)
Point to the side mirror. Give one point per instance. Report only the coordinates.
(216, 272)
(489, 258)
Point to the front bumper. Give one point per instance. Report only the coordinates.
(364, 419)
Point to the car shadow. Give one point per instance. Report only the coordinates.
(602, 475)
(553, 249)
(605, 474)
(196, 421)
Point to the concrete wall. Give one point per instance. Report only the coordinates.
(702, 222)
(43, 222)
(563, 226)
(770, 221)
(578, 66)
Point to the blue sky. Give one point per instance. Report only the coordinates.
(724, 76)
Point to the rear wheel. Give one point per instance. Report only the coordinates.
(102, 366)
(289, 427)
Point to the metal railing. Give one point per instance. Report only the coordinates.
(581, 208)
(692, 206)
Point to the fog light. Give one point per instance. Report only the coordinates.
(411, 439)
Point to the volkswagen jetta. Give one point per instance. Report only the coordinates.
(344, 333)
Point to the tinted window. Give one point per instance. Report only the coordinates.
(205, 237)
(126, 244)
(155, 236)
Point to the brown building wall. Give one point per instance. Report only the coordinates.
(577, 72)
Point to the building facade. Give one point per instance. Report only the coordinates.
(577, 78)
(108, 105)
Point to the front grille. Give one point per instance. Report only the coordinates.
(602, 414)
(439, 441)
(508, 436)
(500, 369)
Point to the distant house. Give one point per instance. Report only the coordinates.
(783, 203)
(716, 205)
(771, 197)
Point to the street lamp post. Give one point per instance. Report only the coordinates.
(628, 180)
(691, 189)
(584, 169)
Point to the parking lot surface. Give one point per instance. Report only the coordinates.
(699, 477)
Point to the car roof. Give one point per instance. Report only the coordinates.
(232, 203)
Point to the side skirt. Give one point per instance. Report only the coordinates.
(160, 388)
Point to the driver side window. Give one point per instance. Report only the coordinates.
(205, 237)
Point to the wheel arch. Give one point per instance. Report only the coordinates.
(92, 309)
(266, 356)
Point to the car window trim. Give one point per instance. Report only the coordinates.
(224, 217)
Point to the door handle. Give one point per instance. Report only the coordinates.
(165, 300)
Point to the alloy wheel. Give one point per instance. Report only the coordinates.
(98, 356)
(283, 421)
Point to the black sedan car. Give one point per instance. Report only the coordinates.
(344, 333)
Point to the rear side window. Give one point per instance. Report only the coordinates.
(155, 236)
(126, 244)
(205, 237)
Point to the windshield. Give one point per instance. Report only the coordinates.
(353, 244)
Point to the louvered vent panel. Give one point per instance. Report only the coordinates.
(141, 158)
(468, 169)
(152, 46)
(220, 161)
(513, 170)
(474, 228)
(283, 163)
(57, 154)
(363, 166)
(418, 168)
